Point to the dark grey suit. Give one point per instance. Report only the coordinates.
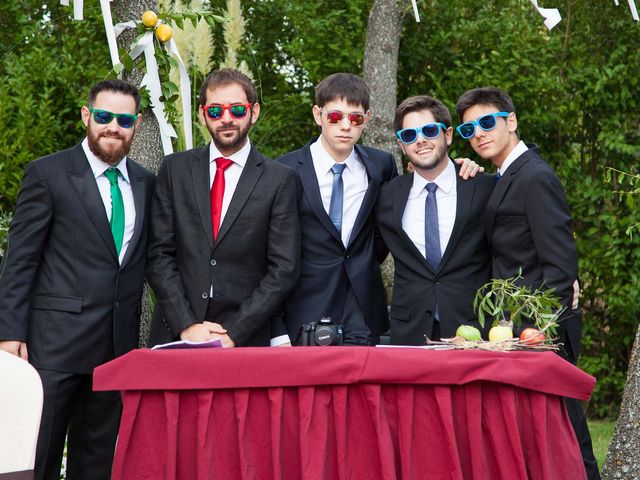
(63, 292)
(465, 264)
(253, 263)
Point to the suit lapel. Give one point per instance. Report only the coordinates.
(311, 189)
(370, 195)
(202, 187)
(251, 172)
(138, 190)
(400, 197)
(84, 183)
(501, 189)
(465, 189)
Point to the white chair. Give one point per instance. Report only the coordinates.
(20, 413)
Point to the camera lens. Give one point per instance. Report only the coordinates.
(325, 335)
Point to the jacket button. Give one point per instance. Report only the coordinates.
(213, 262)
(429, 312)
(205, 295)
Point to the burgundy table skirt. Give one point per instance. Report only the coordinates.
(337, 413)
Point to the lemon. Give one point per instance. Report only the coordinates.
(149, 19)
(164, 32)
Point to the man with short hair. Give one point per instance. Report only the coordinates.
(72, 279)
(528, 221)
(224, 235)
(340, 275)
(432, 222)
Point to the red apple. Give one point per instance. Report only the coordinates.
(532, 336)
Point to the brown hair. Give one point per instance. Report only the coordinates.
(227, 76)
(418, 103)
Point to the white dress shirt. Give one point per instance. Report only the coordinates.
(518, 150)
(231, 174)
(414, 211)
(98, 167)
(355, 183)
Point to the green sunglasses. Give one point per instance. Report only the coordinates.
(105, 117)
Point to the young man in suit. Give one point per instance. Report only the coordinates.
(224, 240)
(340, 275)
(433, 223)
(72, 279)
(528, 220)
(338, 183)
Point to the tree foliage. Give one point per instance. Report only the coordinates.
(575, 89)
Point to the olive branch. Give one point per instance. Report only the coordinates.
(506, 300)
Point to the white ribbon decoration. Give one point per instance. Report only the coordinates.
(152, 81)
(551, 16)
(77, 8)
(185, 95)
(632, 6)
(416, 14)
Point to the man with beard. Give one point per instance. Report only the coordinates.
(72, 279)
(224, 236)
(433, 223)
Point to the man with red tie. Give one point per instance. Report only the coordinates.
(224, 239)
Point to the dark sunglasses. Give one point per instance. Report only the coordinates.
(410, 135)
(105, 117)
(238, 110)
(485, 122)
(336, 116)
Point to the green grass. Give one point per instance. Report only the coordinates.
(601, 432)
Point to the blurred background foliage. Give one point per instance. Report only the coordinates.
(575, 88)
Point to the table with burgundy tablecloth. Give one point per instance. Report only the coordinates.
(344, 413)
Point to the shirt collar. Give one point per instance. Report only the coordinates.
(445, 181)
(518, 150)
(98, 167)
(325, 161)
(240, 157)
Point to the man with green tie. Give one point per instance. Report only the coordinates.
(72, 277)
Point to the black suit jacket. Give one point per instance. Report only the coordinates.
(62, 289)
(253, 263)
(465, 264)
(328, 268)
(529, 226)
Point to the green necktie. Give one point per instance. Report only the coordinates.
(117, 208)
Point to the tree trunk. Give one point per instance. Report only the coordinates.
(147, 145)
(623, 459)
(380, 73)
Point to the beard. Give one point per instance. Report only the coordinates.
(439, 155)
(228, 143)
(110, 153)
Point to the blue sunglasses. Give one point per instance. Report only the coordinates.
(410, 135)
(485, 122)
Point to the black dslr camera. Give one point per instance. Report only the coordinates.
(322, 333)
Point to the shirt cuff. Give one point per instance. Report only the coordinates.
(280, 340)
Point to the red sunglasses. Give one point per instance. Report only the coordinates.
(336, 116)
(216, 111)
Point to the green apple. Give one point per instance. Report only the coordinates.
(468, 332)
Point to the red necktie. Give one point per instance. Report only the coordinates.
(217, 193)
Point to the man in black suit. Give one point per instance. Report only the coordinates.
(340, 276)
(441, 254)
(224, 240)
(72, 279)
(528, 221)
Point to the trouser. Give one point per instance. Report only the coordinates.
(91, 421)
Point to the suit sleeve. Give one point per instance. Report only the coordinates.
(27, 237)
(550, 223)
(283, 254)
(162, 267)
(390, 172)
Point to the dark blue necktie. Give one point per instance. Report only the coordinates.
(335, 207)
(431, 230)
(498, 176)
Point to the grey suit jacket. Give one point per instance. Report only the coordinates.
(252, 264)
(62, 289)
